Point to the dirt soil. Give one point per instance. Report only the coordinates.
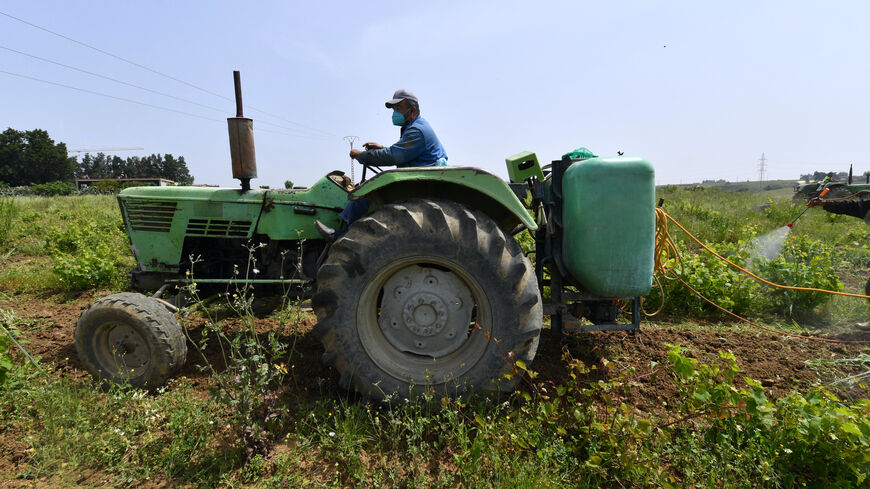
(778, 362)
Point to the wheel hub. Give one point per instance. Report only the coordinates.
(128, 348)
(425, 314)
(425, 311)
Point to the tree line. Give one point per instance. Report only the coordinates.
(154, 166)
(32, 158)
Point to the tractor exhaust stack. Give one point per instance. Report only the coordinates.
(242, 140)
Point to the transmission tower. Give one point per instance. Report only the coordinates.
(761, 168)
(351, 140)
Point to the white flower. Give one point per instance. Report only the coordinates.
(331, 433)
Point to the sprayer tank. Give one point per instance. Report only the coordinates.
(609, 225)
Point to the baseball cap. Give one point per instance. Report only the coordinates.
(401, 94)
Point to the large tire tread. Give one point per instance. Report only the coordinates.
(438, 219)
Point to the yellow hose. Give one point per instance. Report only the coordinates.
(667, 258)
(666, 250)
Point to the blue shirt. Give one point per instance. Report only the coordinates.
(418, 146)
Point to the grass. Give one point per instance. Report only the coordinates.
(90, 223)
(582, 433)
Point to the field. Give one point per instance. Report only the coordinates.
(696, 399)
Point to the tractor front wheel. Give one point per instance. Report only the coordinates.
(130, 338)
(427, 296)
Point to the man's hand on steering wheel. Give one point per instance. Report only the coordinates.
(354, 153)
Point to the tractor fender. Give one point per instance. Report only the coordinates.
(476, 188)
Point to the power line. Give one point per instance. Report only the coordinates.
(158, 72)
(159, 107)
(85, 90)
(122, 82)
(113, 55)
(104, 77)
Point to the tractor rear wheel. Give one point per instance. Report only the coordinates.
(130, 338)
(427, 296)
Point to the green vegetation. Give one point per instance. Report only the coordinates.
(579, 434)
(83, 256)
(8, 210)
(51, 189)
(822, 250)
(252, 420)
(63, 244)
(5, 358)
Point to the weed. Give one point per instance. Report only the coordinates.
(83, 258)
(862, 361)
(717, 434)
(93, 221)
(255, 366)
(71, 427)
(5, 358)
(804, 262)
(8, 211)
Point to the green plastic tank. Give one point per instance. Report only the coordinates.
(609, 225)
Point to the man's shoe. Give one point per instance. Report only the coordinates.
(327, 232)
(863, 326)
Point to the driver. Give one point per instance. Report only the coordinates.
(417, 146)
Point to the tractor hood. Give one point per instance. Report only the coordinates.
(209, 194)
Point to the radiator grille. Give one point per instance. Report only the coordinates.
(218, 228)
(149, 215)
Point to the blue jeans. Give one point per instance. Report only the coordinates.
(358, 208)
(354, 210)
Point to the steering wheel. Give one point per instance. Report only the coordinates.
(375, 170)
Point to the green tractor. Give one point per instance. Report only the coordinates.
(429, 290)
(803, 193)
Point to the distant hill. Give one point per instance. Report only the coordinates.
(752, 187)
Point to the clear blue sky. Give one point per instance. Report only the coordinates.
(701, 89)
